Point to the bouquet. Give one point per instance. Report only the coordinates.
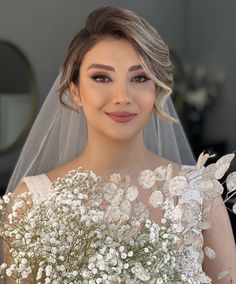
(90, 231)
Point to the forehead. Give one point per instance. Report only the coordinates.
(110, 50)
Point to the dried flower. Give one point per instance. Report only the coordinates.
(91, 231)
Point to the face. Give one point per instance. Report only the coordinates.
(116, 95)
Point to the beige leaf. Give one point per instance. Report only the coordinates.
(109, 191)
(190, 217)
(96, 201)
(144, 214)
(204, 185)
(127, 180)
(115, 214)
(165, 188)
(211, 188)
(210, 252)
(190, 237)
(115, 178)
(209, 171)
(178, 185)
(141, 210)
(203, 157)
(204, 225)
(224, 273)
(132, 193)
(125, 207)
(217, 187)
(141, 273)
(136, 208)
(223, 165)
(169, 172)
(184, 172)
(207, 205)
(177, 213)
(231, 182)
(200, 257)
(147, 179)
(117, 198)
(156, 198)
(234, 208)
(196, 205)
(131, 233)
(212, 194)
(221, 170)
(160, 173)
(202, 278)
(198, 243)
(170, 201)
(225, 159)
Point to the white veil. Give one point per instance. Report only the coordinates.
(60, 134)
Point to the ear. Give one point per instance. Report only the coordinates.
(75, 93)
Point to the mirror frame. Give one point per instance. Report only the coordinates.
(32, 92)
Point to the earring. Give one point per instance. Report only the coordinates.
(78, 107)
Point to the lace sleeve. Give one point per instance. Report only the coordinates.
(40, 184)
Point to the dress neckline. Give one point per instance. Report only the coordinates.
(84, 169)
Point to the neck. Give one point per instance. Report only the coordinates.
(106, 156)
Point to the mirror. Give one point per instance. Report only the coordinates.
(17, 96)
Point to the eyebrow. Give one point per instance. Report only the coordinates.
(110, 68)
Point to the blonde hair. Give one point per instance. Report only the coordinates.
(121, 23)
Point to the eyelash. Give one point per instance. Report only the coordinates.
(104, 76)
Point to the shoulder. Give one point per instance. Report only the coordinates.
(60, 171)
(157, 160)
(54, 174)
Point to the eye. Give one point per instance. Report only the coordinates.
(141, 78)
(100, 78)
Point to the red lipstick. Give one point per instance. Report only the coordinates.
(121, 116)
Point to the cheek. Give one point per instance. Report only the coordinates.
(146, 95)
(92, 98)
(147, 100)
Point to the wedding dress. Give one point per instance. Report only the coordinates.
(40, 185)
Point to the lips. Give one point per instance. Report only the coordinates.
(119, 116)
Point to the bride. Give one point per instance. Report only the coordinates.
(110, 111)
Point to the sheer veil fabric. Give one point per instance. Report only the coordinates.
(59, 134)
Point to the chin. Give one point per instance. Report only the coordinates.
(122, 136)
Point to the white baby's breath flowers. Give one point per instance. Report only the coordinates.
(70, 237)
(6, 199)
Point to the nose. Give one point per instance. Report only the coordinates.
(122, 95)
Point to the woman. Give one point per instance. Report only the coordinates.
(117, 76)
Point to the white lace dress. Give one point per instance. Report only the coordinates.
(41, 185)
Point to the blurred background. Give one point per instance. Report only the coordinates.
(34, 36)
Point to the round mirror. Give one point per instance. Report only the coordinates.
(17, 96)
